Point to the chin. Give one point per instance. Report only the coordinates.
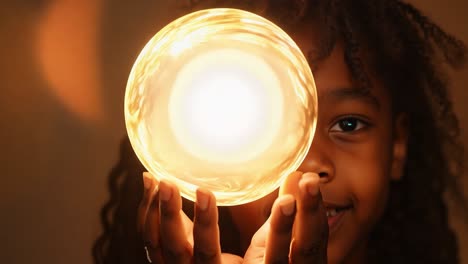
(345, 249)
(335, 256)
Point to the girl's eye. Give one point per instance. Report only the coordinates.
(349, 124)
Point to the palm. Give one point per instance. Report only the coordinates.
(256, 251)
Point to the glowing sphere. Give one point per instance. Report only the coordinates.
(221, 99)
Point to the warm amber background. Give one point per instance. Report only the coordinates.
(64, 66)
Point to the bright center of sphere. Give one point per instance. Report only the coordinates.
(224, 110)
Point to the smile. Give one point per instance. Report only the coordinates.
(334, 216)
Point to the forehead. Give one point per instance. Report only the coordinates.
(333, 76)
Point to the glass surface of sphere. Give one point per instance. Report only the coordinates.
(221, 99)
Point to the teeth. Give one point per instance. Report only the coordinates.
(331, 212)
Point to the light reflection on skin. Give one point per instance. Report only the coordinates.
(67, 54)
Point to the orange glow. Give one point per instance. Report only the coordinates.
(67, 41)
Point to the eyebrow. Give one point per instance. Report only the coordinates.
(351, 93)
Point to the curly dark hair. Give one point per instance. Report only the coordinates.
(409, 53)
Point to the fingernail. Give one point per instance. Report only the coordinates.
(311, 181)
(313, 188)
(310, 175)
(287, 205)
(147, 180)
(165, 191)
(202, 199)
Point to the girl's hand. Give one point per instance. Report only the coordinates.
(297, 230)
(168, 231)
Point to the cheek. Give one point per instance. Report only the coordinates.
(363, 176)
(366, 171)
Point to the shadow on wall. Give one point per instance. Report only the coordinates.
(64, 68)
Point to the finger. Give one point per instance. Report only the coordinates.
(207, 247)
(310, 235)
(151, 233)
(281, 223)
(175, 246)
(148, 188)
(256, 251)
(290, 185)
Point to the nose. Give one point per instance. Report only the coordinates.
(319, 160)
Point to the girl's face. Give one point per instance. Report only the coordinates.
(358, 149)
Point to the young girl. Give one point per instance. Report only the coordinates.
(371, 189)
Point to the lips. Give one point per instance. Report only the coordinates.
(334, 214)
